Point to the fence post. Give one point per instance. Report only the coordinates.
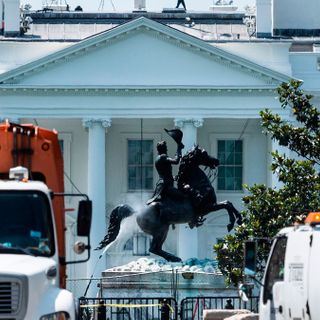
(101, 313)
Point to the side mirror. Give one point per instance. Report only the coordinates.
(250, 258)
(84, 218)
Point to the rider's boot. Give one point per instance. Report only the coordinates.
(231, 223)
(239, 218)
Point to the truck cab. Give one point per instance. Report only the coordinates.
(291, 279)
(29, 277)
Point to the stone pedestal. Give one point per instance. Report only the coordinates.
(155, 279)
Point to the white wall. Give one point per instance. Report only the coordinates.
(11, 17)
(263, 18)
(15, 54)
(296, 14)
(273, 55)
(306, 66)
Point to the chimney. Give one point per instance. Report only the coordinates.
(1, 17)
(264, 18)
(11, 10)
(139, 5)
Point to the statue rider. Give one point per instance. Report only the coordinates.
(165, 185)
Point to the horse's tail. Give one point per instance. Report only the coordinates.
(117, 215)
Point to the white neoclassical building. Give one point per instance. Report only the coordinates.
(113, 93)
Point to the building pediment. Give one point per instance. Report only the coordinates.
(142, 53)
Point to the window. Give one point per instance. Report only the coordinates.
(275, 268)
(140, 164)
(230, 169)
(139, 244)
(128, 245)
(26, 224)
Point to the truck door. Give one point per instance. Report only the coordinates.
(269, 309)
(296, 273)
(314, 276)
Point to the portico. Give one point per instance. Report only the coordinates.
(98, 92)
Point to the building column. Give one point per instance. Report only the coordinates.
(188, 238)
(97, 191)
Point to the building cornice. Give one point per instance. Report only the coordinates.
(136, 90)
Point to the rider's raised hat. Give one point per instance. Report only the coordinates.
(175, 134)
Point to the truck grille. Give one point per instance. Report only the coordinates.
(9, 297)
(13, 296)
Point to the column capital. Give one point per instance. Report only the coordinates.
(90, 122)
(196, 122)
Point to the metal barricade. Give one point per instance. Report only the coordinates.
(192, 308)
(125, 308)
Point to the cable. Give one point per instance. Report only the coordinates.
(95, 267)
(66, 175)
(141, 155)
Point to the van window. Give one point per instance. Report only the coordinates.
(275, 268)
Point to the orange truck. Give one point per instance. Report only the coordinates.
(32, 229)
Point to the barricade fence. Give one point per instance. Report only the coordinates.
(192, 308)
(127, 308)
(158, 308)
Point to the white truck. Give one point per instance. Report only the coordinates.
(32, 228)
(29, 262)
(291, 283)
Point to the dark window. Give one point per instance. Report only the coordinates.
(140, 164)
(231, 167)
(26, 225)
(129, 245)
(61, 144)
(275, 268)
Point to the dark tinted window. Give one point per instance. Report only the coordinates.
(26, 223)
(275, 268)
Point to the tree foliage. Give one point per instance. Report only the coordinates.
(266, 209)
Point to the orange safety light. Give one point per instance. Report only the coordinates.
(313, 218)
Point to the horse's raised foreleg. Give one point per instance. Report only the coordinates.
(234, 214)
(157, 242)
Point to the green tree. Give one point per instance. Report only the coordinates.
(267, 210)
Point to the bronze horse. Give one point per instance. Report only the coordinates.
(199, 200)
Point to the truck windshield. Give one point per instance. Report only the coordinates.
(26, 225)
(275, 268)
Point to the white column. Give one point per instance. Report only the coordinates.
(96, 192)
(188, 238)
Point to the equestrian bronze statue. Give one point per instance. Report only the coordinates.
(190, 202)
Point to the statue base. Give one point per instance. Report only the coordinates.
(147, 277)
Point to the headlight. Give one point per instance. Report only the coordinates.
(56, 316)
